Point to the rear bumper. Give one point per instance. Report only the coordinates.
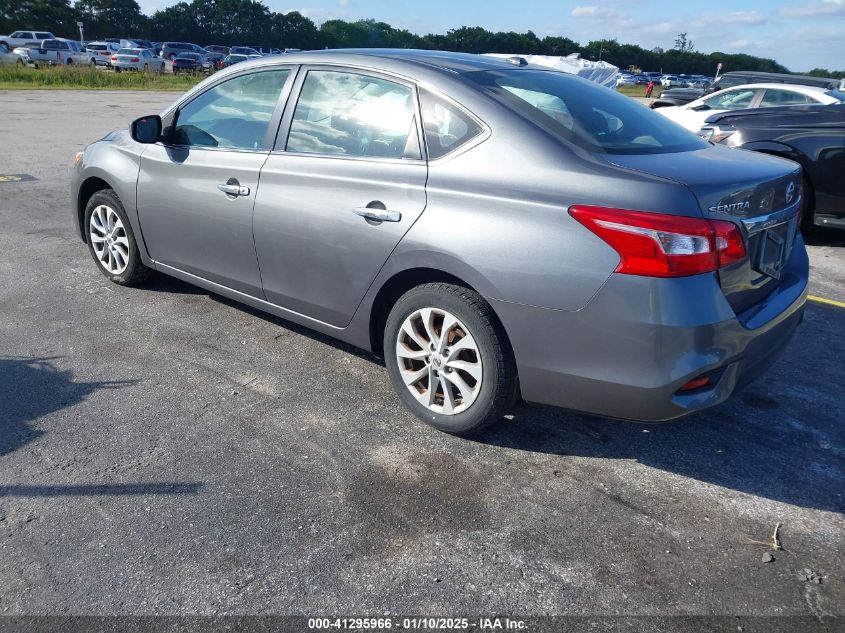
(628, 352)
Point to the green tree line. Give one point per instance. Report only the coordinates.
(252, 23)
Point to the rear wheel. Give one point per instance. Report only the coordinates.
(449, 359)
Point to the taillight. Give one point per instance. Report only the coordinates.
(114, 58)
(135, 60)
(657, 245)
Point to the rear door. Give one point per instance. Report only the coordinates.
(196, 191)
(344, 183)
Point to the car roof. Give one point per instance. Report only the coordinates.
(398, 60)
(813, 90)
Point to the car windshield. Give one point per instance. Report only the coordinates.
(585, 113)
(836, 94)
(193, 56)
(129, 51)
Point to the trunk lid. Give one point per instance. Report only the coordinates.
(760, 193)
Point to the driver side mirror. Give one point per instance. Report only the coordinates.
(147, 129)
(700, 107)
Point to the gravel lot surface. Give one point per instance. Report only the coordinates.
(166, 451)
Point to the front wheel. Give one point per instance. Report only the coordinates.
(449, 359)
(111, 241)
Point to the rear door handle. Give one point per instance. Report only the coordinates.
(379, 215)
(234, 190)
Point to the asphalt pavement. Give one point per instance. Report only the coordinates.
(167, 451)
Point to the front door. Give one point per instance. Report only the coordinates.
(196, 192)
(345, 184)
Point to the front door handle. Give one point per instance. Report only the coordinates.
(233, 190)
(379, 215)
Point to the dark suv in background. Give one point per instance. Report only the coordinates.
(811, 135)
(171, 50)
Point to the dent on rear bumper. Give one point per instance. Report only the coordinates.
(626, 353)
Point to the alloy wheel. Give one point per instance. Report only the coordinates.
(109, 240)
(439, 361)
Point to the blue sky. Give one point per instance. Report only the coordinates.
(801, 34)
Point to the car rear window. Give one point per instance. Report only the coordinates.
(96, 47)
(129, 51)
(585, 113)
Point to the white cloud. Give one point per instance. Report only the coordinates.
(727, 20)
(825, 8)
(594, 12)
(343, 3)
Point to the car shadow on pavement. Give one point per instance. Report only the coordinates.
(749, 444)
(33, 387)
(823, 236)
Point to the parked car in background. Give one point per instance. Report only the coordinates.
(811, 135)
(693, 114)
(140, 43)
(671, 81)
(230, 60)
(20, 38)
(170, 50)
(267, 50)
(7, 56)
(56, 52)
(698, 83)
(243, 50)
(191, 63)
(218, 50)
(378, 210)
(625, 80)
(676, 97)
(102, 51)
(137, 59)
(741, 78)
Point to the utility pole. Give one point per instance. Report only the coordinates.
(81, 32)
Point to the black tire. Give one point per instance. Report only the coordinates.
(499, 385)
(808, 204)
(136, 273)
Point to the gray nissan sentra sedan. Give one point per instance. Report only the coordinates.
(494, 230)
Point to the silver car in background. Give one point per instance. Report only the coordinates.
(138, 59)
(494, 231)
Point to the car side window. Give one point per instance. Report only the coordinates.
(349, 114)
(773, 97)
(234, 114)
(43, 36)
(731, 100)
(447, 127)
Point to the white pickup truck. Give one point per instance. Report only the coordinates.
(55, 52)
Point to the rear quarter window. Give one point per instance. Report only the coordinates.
(586, 114)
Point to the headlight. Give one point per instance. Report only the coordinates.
(77, 158)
